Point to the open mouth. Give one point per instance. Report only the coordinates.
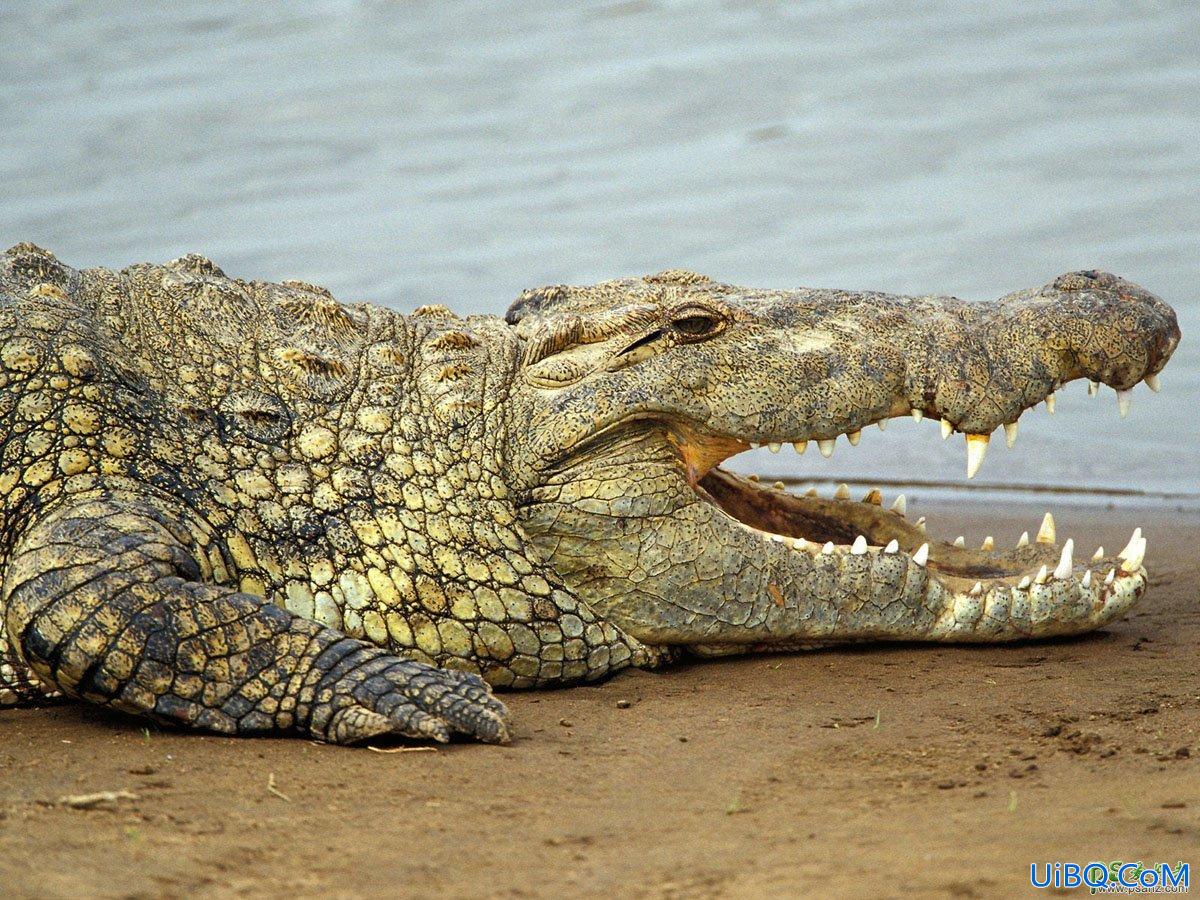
(1032, 581)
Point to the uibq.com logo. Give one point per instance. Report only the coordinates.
(1113, 877)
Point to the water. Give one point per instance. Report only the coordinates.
(413, 152)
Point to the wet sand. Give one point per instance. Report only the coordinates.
(882, 771)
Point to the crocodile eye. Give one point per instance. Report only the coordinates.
(697, 324)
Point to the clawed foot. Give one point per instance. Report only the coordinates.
(386, 695)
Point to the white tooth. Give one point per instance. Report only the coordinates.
(947, 429)
(812, 492)
(1046, 533)
(842, 492)
(854, 437)
(900, 504)
(859, 547)
(1154, 383)
(978, 589)
(874, 496)
(800, 544)
(920, 524)
(1093, 388)
(1099, 554)
(1024, 541)
(778, 538)
(892, 547)
(1063, 571)
(778, 485)
(882, 423)
(988, 543)
(828, 548)
(754, 445)
(826, 447)
(921, 557)
(960, 541)
(1050, 404)
(1132, 545)
(800, 446)
(1010, 434)
(977, 445)
(917, 415)
(1024, 584)
(753, 476)
(774, 446)
(1042, 576)
(1108, 579)
(1134, 561)
(1086, 581)
(1124, 398)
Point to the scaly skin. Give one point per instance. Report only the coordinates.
(246, 507)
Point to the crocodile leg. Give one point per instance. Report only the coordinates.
(102, 600)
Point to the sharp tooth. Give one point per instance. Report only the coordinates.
(921, 557)
(1046, 532)
(828, 548)
(874, 497)
(917, 415)
(947, 429)
(753, 476)
(960, 541)
(1134, 561)
(1050, 404)
(800, 446)
(1154, 383)
(1063, 571)
(1108, 579)
(1093, 388)
(1086, 581)
(1123, 400)
(1099, 554)
(892, 547)
(920, 525)
(826, 447)
(977, 445)
(859, 547)
(774, 446)
(1024, 541)
(978, 589)
(854, 437)
(882, 423)
(1132, 545)
(1024, 584)
(900, 505)
(988, 543)
(812, 492)
(842, 492)
(1010, 434)
(800, 544)
(778, 485)
(1042, 576)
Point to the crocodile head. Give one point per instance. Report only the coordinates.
(632, 393)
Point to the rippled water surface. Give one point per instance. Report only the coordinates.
(454, 152)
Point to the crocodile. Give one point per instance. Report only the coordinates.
(249, 508)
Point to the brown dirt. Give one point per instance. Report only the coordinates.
(882, 771)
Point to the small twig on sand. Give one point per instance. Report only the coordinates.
(90, 801)
(402, 749)
(271, 789)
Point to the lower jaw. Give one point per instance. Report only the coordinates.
(1033, 589)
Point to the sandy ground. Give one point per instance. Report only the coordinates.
(883, 771)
